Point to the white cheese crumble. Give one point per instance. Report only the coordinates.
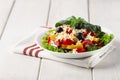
(77, 31)
(74, 51)
(63, 35)
(89, 37)
(53, 44)
(79, 41)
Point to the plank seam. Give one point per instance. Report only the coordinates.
(88, 10)
(47, 20)
(7, 19)
(39, 68)
(49, 9)
(92, 77)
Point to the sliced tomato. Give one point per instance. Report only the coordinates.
(85, 33)
(68, 30)
(58, 43)
(67, 41)
(92, 33)
(48, 40)
(97, 43)
(81, 50)
(87, 43)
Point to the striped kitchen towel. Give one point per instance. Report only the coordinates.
(29, 47)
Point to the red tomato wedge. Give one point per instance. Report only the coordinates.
(87, 43)
(48, 40)
(97, 43)
(85, 33)
(92, 34)
(67, 41)
(58, 43)
(80, 50)
(68, 30)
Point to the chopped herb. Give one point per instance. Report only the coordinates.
(92, 47)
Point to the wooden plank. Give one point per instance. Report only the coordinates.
(106, 13)
(62, 9)
(5, 8)
(52, 70)
(25, 17)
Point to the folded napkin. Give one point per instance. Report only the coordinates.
(29, 47)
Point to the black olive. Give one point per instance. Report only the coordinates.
(59, 30)
(78, 25)
(80, 36)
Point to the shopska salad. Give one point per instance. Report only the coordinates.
(75, 35)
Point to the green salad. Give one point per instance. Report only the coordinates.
(75, 35)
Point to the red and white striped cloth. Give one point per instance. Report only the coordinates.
(29, 47)
(32, 50)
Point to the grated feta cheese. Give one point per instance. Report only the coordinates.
(53, 44)
(74, 51)
(65, 36)
(89, 37)
(77, 31)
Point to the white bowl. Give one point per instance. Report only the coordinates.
(102, 50)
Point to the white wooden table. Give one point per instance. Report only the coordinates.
(19, 18)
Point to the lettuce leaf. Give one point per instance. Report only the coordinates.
(72, 21)
(48, 46)
(106, 38)
(93, 28)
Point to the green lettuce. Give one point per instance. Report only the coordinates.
(106, 38)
